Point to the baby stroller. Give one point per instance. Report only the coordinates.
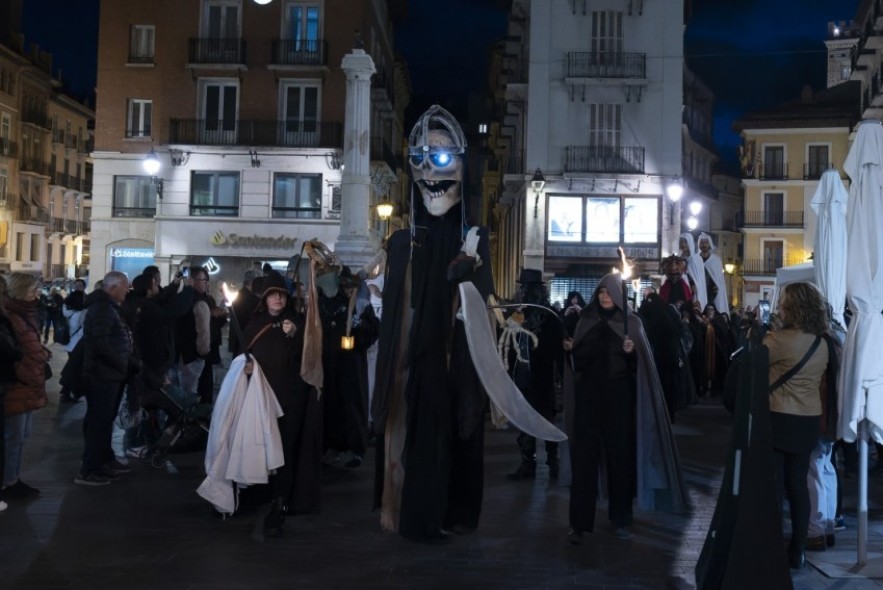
(186, 419)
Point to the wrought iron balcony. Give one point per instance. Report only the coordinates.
(87, 146)
(35, 165)
(70, 226)
(217, 51)
(8, 148)
(587, 158)
(36, 117)
(773, 219)
(815, 170)
(9, 202)
(768, 266)
(71, 142)
(515, 162)
(293, 52)
(774, 171)
(256, 133)
(606, 64)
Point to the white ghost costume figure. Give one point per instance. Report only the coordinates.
(695, 268)
(714, 270)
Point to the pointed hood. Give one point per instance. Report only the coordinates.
(691, 244)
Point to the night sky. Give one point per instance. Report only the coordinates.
(754, 54)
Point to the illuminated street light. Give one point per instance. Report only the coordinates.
(692, 223)
(695, 208)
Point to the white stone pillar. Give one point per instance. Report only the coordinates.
(353, 244)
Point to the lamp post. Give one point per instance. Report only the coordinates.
(384, 212)
(152, 165)
(674, 191)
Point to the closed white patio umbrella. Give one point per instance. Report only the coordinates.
(861, 375)
(829, 247)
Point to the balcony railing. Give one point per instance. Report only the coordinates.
(773, 218)
(56, 225)
(70, 226)
(606, 64)
(35, 165)
(768, 266)
(71, 142)
(292, 52)
(87, 146)
(58, 136)
(130, 212)
(217, 51)
(255, 133)
(586, 158)
(774, 171)
(8, 148)
(28, 212)
(515, 70)
(36, 117)
(9, 202)
(381, 150)
(815, 170)
(515, 162)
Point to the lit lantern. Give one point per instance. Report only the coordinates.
(347, 342)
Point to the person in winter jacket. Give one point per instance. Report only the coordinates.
(28, 392)
(74, 311)
(10, 353)
(107, 363)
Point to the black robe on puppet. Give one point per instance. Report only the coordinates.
(626, 385)
(428, 406)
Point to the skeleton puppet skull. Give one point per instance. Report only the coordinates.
(436, 148)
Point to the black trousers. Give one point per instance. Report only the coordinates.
(791, 470)
(102, 403)
(291, 427)
(604, 419)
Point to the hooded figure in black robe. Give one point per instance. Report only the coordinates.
(428, 406)
(616, 407)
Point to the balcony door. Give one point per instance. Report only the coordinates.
(220, 31)
(774, 209)
(773, 255)
(300, 114)
(302, 26)
(219, 104)
(606, 37)
(774, 162)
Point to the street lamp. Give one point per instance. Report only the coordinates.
(384, 212)
(674, 191)
(537, 183)
(152, 165)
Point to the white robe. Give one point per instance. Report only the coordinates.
(715, 268)
(696, 270)
(244, 444)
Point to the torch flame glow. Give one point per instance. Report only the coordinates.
(229, 294)
(626, 271)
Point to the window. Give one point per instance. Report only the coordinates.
(773, 255)
(141, 44)
(221, 19)
(606, 35)
(602, 219)
(641, 220)
(605, 125)
(133, 196)
(35, 247)
(774, 162)
(4, 181)
(816, 161)
(140, 113)
(773, 209)
(300, 113)
(6, 148)
(565, 219)
(301, 26)
(297, 196)
(19, 246)
(220, 110)
(214, 193)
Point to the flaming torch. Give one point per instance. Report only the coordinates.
(624, 273)
(230, 296)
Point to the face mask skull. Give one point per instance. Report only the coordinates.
(435, 147)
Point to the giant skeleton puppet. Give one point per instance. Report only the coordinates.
(429, 398)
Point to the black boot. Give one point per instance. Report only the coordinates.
(552, 459)
(527, 448)
(274, 522)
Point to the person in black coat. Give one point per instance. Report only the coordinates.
(535, 369)
(275, 338)
(107, 364)
(243, 307)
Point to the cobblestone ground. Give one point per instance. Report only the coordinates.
(150, 530)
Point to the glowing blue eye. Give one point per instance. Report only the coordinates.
(440, 159)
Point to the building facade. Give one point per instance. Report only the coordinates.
(243, 106)
(785, 151)
(45, 167)
(589, 139)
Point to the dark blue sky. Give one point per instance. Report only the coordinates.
(754, 54)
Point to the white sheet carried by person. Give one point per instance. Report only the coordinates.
(244, 445)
